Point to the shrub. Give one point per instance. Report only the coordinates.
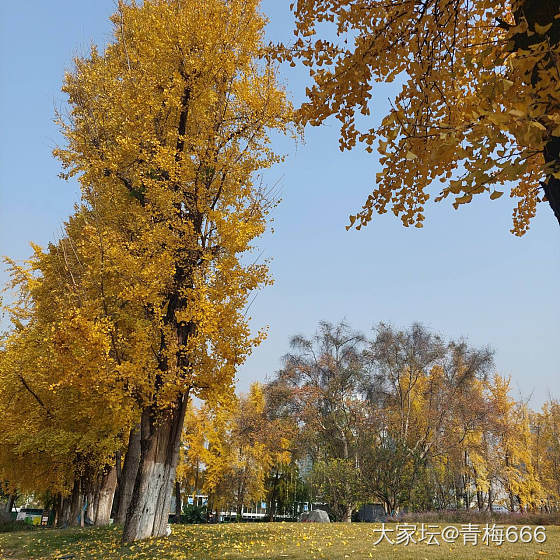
(473, 516)
(193, 514)
(12, 526)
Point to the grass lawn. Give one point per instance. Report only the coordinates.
(263, 541)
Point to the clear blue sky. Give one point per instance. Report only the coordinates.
(464, 274)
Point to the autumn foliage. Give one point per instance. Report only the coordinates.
(141, 304)
(478, 109)
(143, 299)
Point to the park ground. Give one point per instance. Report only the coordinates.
(272, 541)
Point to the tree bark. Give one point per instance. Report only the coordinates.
(348, 514)
(106, 493)
(160, 438)
(118, 465)
(273, 497)
(90, 510)
(74, 505)
(178, 502)
(10, 503)
(544, 12)
(128, 475)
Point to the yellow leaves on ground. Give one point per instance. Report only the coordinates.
(261, 541)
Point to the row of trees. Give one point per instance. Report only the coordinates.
(405, 419)
(140, 304)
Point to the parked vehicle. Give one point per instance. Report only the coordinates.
(499, 509)
(30, 515)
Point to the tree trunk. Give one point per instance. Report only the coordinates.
(106, 493)
(90, 510)
(128, 475)
(544, 13)
(59, 511)
(118, 465)
(480, 500)
(160, 438)
(178, 502)
(11, 501)
(273, 497)
(75, 504)
(348, 514)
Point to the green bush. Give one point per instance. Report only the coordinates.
(193, 514)
(12, 526)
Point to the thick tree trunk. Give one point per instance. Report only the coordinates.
(106, 493)
(74, 505)
(6, 509)
(128, 475)
(90, 510)
(348, 514)
(58, 510)
(148, 512)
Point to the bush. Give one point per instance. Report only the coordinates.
(472, 516)
(193, 514)
(13, 526)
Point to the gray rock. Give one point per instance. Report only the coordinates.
(315, 516)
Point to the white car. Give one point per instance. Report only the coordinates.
(499, 509)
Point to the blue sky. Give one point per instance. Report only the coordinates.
(464, 274)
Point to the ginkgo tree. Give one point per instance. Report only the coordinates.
(230, 446)
(167, 130)
(479, 105)
(63, 404)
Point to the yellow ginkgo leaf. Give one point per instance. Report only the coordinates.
(542, 29)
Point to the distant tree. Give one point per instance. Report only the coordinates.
(338, 483)
(319, 384)
(420, 379)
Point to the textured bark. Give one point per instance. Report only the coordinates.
(128, 474)
(90, 510)
(106, 493)
(160, 438)
(72, 506)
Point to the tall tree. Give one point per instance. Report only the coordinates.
(63, 403)
(478, 105)
(320, 382)
(167, 129)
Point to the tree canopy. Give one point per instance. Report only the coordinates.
(479, 105)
